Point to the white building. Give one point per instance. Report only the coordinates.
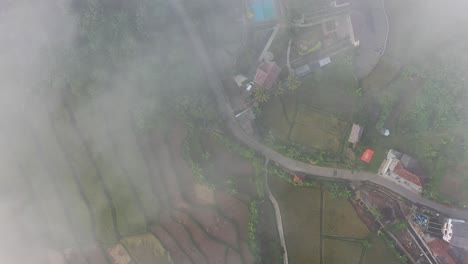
(396, 167)
(455, 232)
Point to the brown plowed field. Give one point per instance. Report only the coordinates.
(233, 257)
(178, 256)
(177, 231)
(196, 224)
(235, 210)
(214, 224)
(213, 250)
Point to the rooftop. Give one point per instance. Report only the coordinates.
(440, 249)
(405, 174)
(459, 233)
(356, 133)
(267, 74)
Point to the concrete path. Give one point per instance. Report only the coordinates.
(214, 83)
(279, 220)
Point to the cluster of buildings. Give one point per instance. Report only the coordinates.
(402, 169)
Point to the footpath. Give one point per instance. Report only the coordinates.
(279, 220)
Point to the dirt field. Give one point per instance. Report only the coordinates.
(146, 249)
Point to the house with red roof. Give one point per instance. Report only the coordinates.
(440, 249)
(267, 74)
(403, 170)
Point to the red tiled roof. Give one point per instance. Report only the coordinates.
(440, 249)
(298, 180)
(267, 73)
(405, 174)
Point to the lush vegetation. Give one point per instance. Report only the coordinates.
(339, 191)
(118, 82)
(391, 245)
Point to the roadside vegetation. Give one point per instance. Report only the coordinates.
(416, 92)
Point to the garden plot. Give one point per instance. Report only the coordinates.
(146, 249)
(317, 130)
(338, 252)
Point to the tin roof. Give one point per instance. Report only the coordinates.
(440, 249)
(356, 133)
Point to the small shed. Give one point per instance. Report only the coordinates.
(367, 156)
(298, 180)
(240, 80)
(355, 135)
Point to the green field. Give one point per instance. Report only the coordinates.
(378, 252)
(318, 130)
(310, 128)
(340, 219)
(300, 209)
(339, 251)
(316, 116)
(334, 232)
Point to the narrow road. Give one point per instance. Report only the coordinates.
(225, 109)
(279, 220)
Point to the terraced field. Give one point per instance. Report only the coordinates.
(107, 192)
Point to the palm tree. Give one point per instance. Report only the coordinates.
(261, 95)
(293, 83)
(279, 89)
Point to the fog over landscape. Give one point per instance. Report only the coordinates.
(112, 143)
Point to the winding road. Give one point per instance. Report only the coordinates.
(225, 109)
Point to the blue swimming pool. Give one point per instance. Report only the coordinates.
(263, 9)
